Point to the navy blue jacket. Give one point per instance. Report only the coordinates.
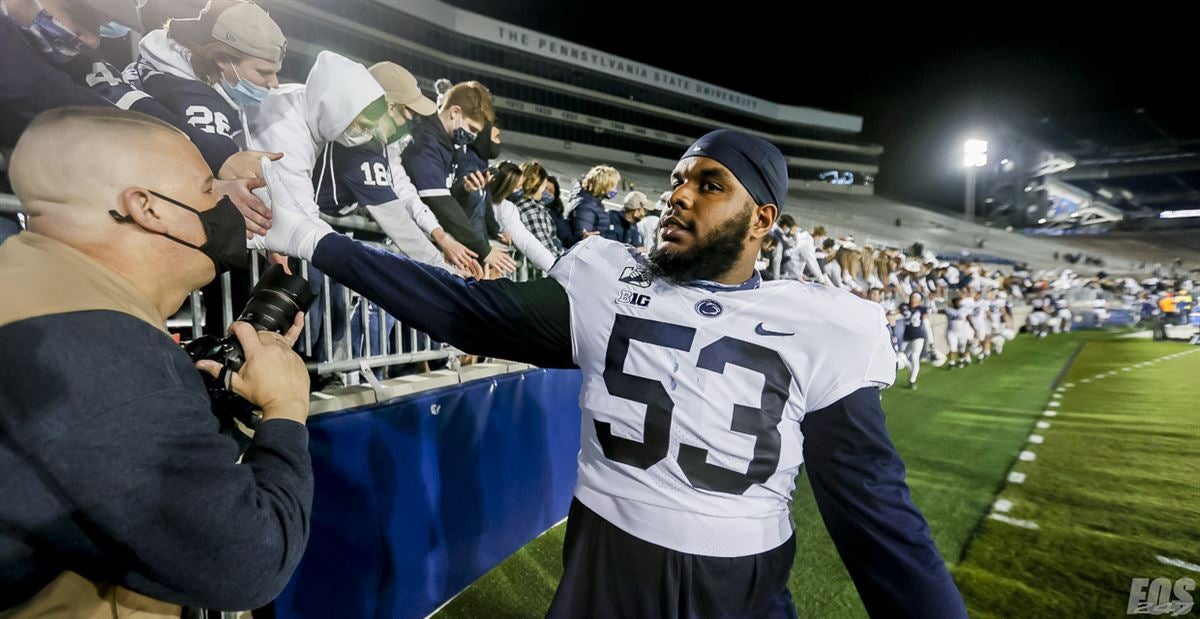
(621, 230)
(30, 85)
(475, 204)
(588, 215)
(857, 475)
(562, 228)
(114, 469)
(431, 166)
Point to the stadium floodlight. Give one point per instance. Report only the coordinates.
(975, 153)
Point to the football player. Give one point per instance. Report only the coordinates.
(704, 390)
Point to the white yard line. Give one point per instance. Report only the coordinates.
(1016, 522)
(1177, 563)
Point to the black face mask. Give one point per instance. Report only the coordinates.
(484, 146)
(224, 233)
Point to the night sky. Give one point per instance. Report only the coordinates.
(921, 82)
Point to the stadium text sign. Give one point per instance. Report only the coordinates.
(529, 41)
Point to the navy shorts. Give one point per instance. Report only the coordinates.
(608, 573)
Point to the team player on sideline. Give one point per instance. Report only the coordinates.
(704, 389)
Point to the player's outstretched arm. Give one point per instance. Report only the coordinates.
(858, 481)
(527, 322)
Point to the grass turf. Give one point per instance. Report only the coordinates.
(1115, 484)
(959, 434)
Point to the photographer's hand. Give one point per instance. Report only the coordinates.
(273, 376)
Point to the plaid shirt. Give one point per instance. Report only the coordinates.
(537, 220)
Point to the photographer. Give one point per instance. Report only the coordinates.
(120, 495)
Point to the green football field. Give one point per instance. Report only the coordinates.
(1113, 486)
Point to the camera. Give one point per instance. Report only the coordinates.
(273, 305)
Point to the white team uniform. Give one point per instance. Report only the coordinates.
(979, 319)
(1038, 316)
(1061, 320)
(1100, 308)
(958, 333)
(692, 396)
(996, 315)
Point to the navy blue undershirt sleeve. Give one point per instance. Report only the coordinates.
(858, 482)
(528, 321)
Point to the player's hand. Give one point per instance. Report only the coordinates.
(459, 255)
(500, 260)
(294, 231)
(505, 238)
(240, 191)
(476, 180)
(273, 376)
(245, 164)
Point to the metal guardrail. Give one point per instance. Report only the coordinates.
(370, 339)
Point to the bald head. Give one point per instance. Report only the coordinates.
(83, 157)
(73, 167)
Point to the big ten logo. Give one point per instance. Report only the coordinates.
(629, 297)
(1161, 597)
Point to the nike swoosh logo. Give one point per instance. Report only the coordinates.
(762, 331)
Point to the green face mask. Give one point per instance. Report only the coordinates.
(397, 133)
(388, 132)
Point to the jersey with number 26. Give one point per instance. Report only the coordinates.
(693, 395)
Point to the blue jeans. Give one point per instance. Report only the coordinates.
(379, 346)
(316, 313)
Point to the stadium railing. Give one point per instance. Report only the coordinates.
(354, 369)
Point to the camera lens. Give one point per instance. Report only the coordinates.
(276, 299)
(273, 305)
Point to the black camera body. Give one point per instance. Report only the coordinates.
(273, 305)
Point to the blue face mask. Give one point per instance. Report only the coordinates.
(114, 30)
(54, 40)
(461, 137)
(547, 199)
(612, 194)
(244, 93)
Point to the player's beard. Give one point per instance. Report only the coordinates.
(706, 259)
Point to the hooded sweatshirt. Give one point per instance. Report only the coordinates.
(302, 120)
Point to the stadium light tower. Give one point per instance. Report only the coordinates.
(975, 155)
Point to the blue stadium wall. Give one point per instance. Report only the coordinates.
(418, 498)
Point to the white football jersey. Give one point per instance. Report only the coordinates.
(693, 395)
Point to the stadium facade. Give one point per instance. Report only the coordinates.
(555, 96)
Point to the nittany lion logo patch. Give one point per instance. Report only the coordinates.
(635, 276)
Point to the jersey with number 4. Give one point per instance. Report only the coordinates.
(693, 395)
